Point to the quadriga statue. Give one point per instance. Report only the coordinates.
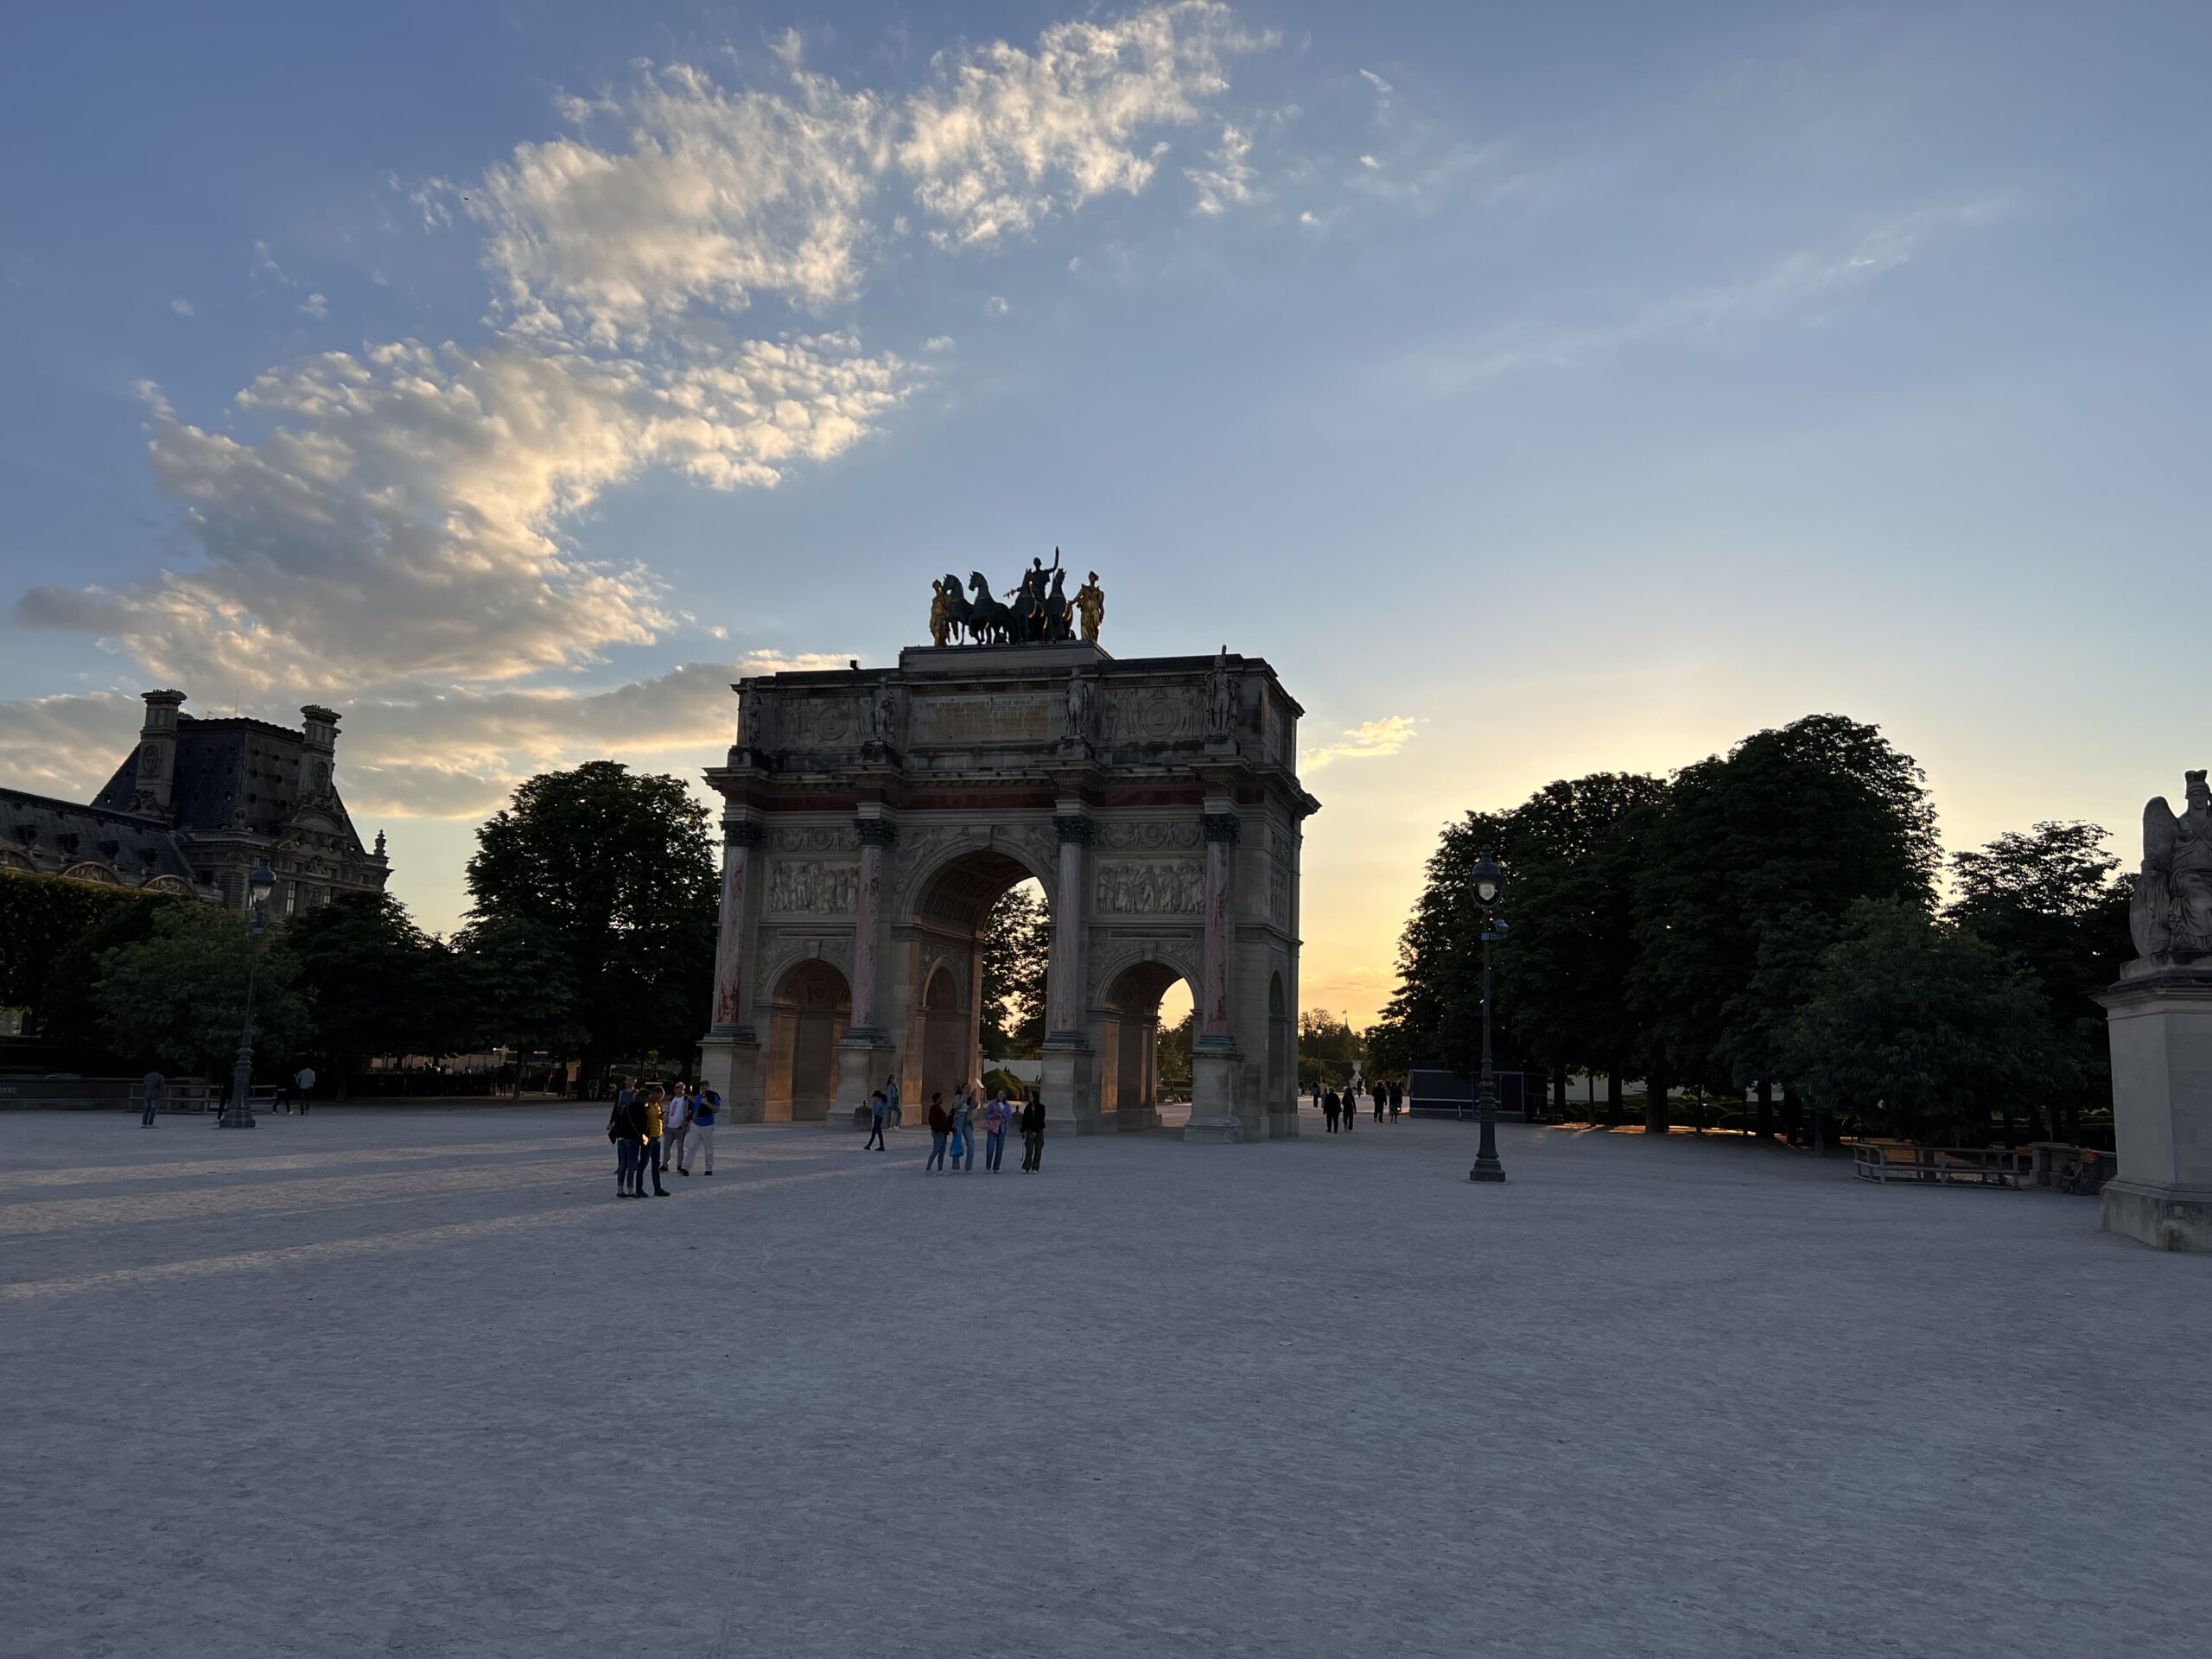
(2172, 911)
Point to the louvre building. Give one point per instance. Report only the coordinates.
(196, 805)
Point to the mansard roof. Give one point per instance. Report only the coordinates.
(39, 833)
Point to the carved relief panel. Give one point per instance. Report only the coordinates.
(1009, 719)
(814, 887)
(1148, 887)
(1151, 714)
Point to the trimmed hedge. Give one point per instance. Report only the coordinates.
(41, 916)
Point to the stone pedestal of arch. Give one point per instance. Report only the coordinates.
(874, 817)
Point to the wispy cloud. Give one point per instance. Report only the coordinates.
(1365, 741)
(184, 307)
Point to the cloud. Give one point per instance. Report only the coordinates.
(1228, 180)
(396, 521)
(1381, 86)
(1794, 282)
(1363, 742)
(996, 305)
(66, 747)
(184, 307)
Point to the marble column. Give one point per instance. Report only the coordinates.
(1217, 1071)
(1064, 975)
(1220, 833)
(877, 836)
(739, 837)
(729, 1054)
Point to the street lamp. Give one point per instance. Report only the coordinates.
(239, 1114)
(1488, 881)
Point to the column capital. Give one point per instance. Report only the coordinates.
(1076, 827)
(744, 833)
(876, 832)
(1222, 826)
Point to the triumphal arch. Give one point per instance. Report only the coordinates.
(874, 817)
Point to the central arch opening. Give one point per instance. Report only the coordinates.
(810, 1008)
(1144, 1078)
(982, 930)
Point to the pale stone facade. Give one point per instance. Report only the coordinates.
(874, 815)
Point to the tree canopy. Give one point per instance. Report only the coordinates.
(177, 998)
(614, 874)
(1017, 946)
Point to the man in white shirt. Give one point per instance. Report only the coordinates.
(303, 1087)
(677, 1128)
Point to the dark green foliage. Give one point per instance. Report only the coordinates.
(46, 926)
(177, 998)
(1328, 1049)
(375, 983)
(615, 875)
(1174, 1051)
(1017, 943)
(2050, 900)
(1915, 1025)
(1745, 878)
(517, 988)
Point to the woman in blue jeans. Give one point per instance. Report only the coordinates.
(940, 1131)
(963, 1130)
(994, 1121)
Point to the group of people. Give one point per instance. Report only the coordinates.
(653, 1129)
(1342, 1110)
(952, 1128)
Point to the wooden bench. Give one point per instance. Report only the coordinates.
(1943, 1166)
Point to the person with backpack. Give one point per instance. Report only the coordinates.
(940, 1132)
(705, 1104)
(878, 1109)
(679, 1126)
(963, 1129)
(1032, 1133)
(995, 1116)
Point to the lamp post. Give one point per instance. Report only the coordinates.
(1489, 880)
(238, 1113)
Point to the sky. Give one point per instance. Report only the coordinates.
(1540, 389)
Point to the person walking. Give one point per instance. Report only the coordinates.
(995, 1119)
(679, 1126)
(1329, 1109)
(153, 1088)
(656, 1124)
(963, 1130)
(303, 1087)
(940, 1130)
(1381, 1096)
(876, 1110)
(1397, 1099)
(890, 1099)
(1032, 1133)
(1350, 1102)
(626, 1128)
(704, 1105)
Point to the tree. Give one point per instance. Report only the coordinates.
(519, 991)
(2049, 900)
(1745, 879)
(1915, 1024)
(1017, 945)
(177, 998)
(615, 874)
(1437, 1008)
(1174, 1050)
(51, 932)
(1328, 1048)
(375, 982)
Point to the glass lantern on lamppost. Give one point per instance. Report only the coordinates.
(237, 1113)
(1490, 881)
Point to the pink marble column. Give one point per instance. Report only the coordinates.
(1221, 829)
(739, 839)
(1064, 975)
(877, 836)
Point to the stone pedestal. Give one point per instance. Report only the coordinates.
(865, 1060)
(1071, 1087)
(1215, 1071)
(730, 1063)
(2160, 1028)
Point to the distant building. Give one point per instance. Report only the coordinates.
(196, 805)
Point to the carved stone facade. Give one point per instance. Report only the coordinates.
(1153, 801)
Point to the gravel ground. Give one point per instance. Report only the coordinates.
(398, 1381)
